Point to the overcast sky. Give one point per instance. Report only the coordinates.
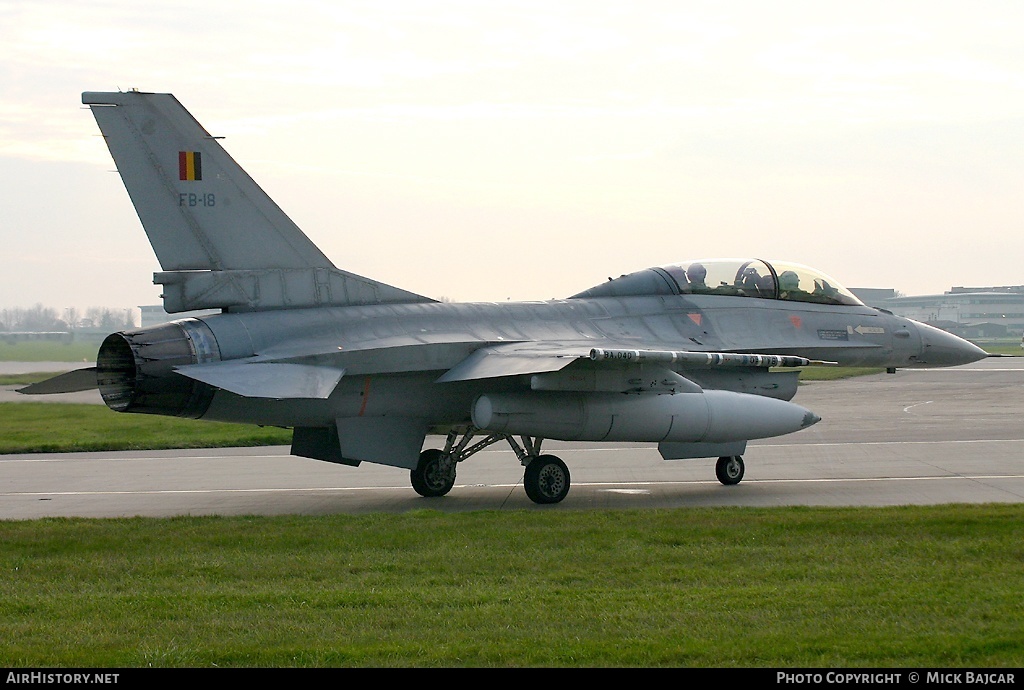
(528, 150)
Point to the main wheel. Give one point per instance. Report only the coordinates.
(729, 470)
(432, 477)
(546, 479)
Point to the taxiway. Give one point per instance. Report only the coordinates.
(914, 437)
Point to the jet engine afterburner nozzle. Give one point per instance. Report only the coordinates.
(135, 369)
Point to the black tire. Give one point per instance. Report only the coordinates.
(546, 479)
(729, 470)
(429, 479)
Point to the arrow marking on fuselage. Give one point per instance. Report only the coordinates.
(864, 329)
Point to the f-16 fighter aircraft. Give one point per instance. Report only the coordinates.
(697, 356)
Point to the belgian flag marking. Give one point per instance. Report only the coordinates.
(190, 165)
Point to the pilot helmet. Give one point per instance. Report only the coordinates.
(788, 280)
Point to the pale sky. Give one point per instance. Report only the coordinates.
(529, 150)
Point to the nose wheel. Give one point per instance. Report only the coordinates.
(729, 470)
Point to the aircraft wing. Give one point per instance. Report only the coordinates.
(512, 359)
(315, 375)
(611, 368)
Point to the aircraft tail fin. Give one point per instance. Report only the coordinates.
(221, 240)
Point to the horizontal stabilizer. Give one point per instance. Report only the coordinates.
(69, 382)
(273, 380)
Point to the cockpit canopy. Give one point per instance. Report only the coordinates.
(734, 277)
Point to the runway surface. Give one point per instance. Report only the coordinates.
(914, 437)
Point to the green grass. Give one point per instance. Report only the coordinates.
(45, 351)
(29, 377)
(1015, 350)
(934, 586)
(711, 587)
(60, 427)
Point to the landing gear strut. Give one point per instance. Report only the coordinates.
(729, 470)
(546, 478)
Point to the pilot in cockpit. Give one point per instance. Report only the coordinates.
(696, 274)
(789, 285)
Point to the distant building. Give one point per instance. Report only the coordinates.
(970, 312)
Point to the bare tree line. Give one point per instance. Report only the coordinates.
(47, 319)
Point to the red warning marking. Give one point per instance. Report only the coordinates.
(366, 396)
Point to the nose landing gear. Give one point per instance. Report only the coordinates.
(729, 470)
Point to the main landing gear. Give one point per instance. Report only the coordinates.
(546, 478)
(434, 474)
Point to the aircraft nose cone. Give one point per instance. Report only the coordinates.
(810, 419)
(942, 349)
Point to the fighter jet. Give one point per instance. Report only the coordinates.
(698, 356)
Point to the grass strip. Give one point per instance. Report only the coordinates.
(79, 351)
(29, 377)
(917, 586)
(63, 427)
